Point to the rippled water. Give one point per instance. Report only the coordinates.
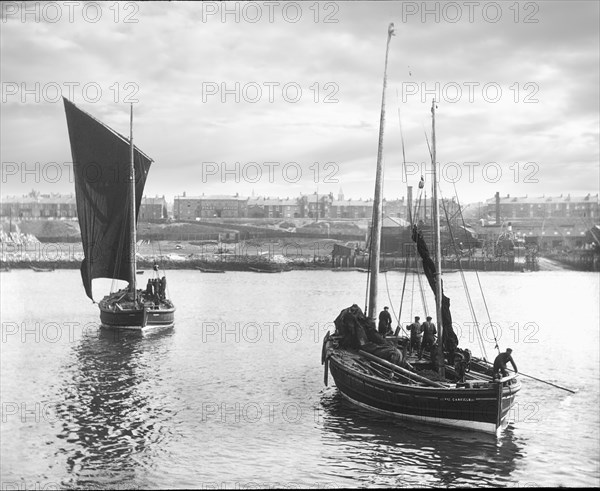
(233, 396)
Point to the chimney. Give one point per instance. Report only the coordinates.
(497, 208)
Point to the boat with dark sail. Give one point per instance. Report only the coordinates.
(448, 386)
(110, 174)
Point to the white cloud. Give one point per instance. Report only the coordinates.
(171, 55)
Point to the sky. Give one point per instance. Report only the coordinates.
(282, 98)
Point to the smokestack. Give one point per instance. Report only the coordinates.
(497, 208)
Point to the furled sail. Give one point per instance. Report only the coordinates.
(450, 339)
(101, 162)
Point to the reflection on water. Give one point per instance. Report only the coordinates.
(110, 418)
(400, 454)
(210, 404)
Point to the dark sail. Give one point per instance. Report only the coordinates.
(450, 339)
(101, 163)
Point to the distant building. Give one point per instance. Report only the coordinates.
(196, 207)
(395, 236)
(273, 208)
(36, 205)
(395, 208)
(545, 235)
(153, 209)
(351, 209)
(317, 206)
(500, 209)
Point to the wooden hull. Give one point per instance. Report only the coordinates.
(118, 314)
(481, 409)
(137, 319)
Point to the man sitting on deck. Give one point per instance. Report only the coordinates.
(500, 364)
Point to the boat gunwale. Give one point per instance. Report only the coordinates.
(492, 387)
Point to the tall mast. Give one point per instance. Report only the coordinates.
(132, 237)
(437, 247)
(377, 200)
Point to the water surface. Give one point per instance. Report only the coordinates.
(233, 395)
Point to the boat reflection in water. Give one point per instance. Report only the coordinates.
(111, 420)
(396, 453)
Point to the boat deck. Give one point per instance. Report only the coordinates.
(423, 369)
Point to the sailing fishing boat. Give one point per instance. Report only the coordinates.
(448, 388)
(110, 174)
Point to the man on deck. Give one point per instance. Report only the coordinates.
(429, 333)
(385, 323)
(500, 364)
(416, 334)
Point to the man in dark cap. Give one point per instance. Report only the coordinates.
(500, 364)
(385, 323)
(429, 333)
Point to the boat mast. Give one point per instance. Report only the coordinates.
(377, 199)
(132, 237)
(437, 247)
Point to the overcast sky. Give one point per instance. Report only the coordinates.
(279, 98)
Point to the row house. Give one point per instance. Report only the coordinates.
(35, 205)
(197, 207)
(351, 209)
(315, 205)
(273, 208)
(507, 207)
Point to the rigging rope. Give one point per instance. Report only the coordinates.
(469, 301)
(390, 298)
(412, 252)
(479, 282)
(403, 290)
(465, 287)
(421, 288)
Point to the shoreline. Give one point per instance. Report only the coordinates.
(257, 265)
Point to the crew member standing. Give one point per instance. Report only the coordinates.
(385, 323)
(429, 333)
(416, 334)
